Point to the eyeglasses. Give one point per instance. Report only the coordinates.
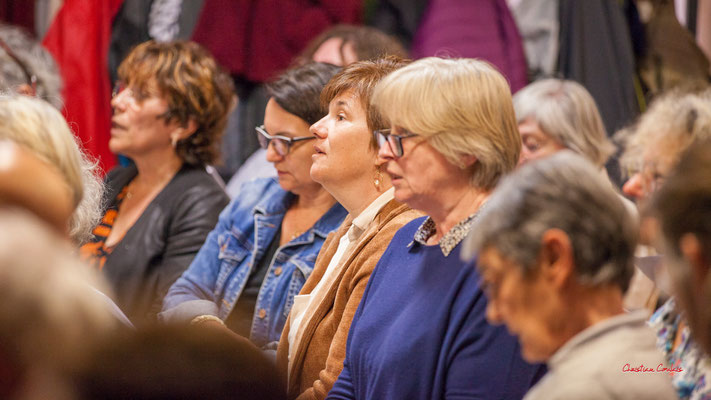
(30, 78)
(282, 144)
(650, 178)
(394, 141)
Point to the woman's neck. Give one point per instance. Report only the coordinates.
(357, 196)
(453, 207)
(158, 169)
(318, 198)
(592, 305)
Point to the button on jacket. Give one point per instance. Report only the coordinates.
(213, 283)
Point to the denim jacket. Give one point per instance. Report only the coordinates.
(215, 279)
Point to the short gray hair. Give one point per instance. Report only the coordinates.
(563, 192)
(565, 111)
(673, 120)
(36, 59)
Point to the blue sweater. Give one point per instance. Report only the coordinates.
(420, 333)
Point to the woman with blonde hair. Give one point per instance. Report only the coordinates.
(452, 137)
(39, 127)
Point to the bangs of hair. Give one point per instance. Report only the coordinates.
(441, 95)
(361, 78)
(463, 105)
(195, 87)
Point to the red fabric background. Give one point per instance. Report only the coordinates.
(78, 38)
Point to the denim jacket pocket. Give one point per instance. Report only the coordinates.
(304, 267)
(230, 255)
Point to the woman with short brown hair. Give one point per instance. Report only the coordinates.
(169, 112)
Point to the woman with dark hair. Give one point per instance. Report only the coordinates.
(168, 116)
(266, 241)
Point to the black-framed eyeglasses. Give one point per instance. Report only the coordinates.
(30, 78)
(282, 144)
(394, 141)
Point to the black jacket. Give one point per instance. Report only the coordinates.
(164, 240)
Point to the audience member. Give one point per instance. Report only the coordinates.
(346, 44)
(683, 206)
(556, 114)
(28, 182)
(671, 124)
(555, 254)
(313, 343)
(174, 363)
(26, 67)
(35, 125)
(452, 136)
(168, 116)
(266, 241)
(49, 310)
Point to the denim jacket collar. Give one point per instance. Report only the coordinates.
(277, 204)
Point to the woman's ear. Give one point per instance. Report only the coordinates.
(183, 132)
(468, 160)
(693, 252)
(557, 260)
(26, 89)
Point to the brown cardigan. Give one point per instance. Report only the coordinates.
(319, 359)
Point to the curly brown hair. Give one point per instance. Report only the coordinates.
(194, 86)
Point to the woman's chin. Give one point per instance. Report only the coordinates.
(285, 183)
(317, 173)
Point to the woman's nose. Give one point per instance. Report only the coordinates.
(272, 155)
(385, 152)
(318, 129)
(634, 187)
(523, 158)
(119, 99)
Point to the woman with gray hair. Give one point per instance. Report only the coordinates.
(555, 256)
(673, 123)
(452, 137)
(28, 68)
(556, 114)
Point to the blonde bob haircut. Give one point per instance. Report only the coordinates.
(462, 106)
(40, 128)
(565, 111)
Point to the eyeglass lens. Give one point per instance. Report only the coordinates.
(280, 146)
(393, 141)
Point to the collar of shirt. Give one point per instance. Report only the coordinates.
(451, 239)
(588, 336)
(361, 222)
